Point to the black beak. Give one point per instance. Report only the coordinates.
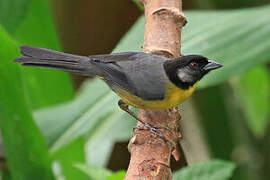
(211, 65)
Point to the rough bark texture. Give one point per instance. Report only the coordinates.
(150, 154)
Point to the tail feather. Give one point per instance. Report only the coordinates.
(45, 58)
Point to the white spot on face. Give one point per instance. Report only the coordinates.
(184, 76)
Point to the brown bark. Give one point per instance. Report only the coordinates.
(150, 154)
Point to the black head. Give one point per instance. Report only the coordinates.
(187, 70)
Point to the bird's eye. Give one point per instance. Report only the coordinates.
(193, 65)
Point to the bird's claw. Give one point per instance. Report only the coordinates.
(152, 129)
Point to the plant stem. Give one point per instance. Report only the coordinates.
(150, 155)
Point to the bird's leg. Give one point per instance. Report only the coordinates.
(125, 108)
(146, 126)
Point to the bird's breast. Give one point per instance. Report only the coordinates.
(173, 97)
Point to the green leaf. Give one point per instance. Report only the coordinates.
(94, 115)
(94, 173)
(5, 175)
(67, 157)
(212, 170)
(44, 87)
(29, 22)
(24, 145)
(211, 104)
(233, 44)
(252, 90)
(32, 21)
(236, 38)
(119, 175)
(12, 12)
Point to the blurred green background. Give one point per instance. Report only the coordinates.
(56, 125)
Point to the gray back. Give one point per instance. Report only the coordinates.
(147, 77)
(140, 74)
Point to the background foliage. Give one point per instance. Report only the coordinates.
(51, 131)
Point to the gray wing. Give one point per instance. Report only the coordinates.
(138, 73)
(147, 77)
(124, 56)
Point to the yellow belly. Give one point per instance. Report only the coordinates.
(173, 97)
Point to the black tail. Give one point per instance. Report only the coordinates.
(45, 58)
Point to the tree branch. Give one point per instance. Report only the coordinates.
(150, 155)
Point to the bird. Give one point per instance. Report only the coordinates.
(141, 80)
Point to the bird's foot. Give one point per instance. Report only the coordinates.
(152, 129)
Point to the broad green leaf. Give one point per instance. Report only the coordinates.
(119, 175)
(12, 12)
(231, 44)
(94, 173)
(212, 170)
(236, 38)
(94, 115)
(67, 157)
(211, 104)
(253, 92)
(29, 22)
(5, 175)
(32, 22)
(226, 4)
(24, 145)
(56, 120)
